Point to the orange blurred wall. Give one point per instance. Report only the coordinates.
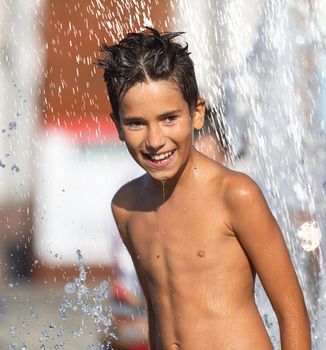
(73, 31)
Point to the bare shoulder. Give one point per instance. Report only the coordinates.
(245, 203)
(125, 195)
(124, 202)
(231, 184)
(240, 189)
(235, 188)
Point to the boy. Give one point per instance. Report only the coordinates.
(197, 232)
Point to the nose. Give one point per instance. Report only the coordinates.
(154, 139)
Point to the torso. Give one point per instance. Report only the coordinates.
(199, 278)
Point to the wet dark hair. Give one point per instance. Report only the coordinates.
(147, 56)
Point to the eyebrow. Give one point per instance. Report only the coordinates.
(165, 114)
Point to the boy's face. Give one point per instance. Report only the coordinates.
(157, 127)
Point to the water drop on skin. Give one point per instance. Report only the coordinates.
(163, 180)
(195, 172)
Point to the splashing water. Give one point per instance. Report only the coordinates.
(309, 235)
(90, 303)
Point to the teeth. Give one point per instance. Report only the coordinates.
(161, 156)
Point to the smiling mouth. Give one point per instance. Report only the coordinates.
(159, 159)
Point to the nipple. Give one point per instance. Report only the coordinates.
(201, 253)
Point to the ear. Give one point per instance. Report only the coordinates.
(116, 122)
(198, 114)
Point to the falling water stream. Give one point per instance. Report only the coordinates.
(261, 67)
(264, 67)
(163, 189)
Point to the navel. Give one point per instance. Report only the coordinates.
(201, 253)
(175, 346)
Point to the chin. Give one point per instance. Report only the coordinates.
(160, 176)
(164, 175)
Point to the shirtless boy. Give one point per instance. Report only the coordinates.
(197, 232)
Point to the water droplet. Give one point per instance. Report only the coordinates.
(60, 333)
(13, 331)
(79, 332)
(23, 347)
(12, 125)
(267, 322)
(70, 287)
(2, 164)
(44, 336)
(82, 275)
(309, 235)
(15, 168)
(13, 346)
(34, 314)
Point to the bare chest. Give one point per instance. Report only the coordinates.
(183, 238)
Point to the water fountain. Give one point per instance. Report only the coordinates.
(268, 87)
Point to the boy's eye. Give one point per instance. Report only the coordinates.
(170, 119)
(135, 124)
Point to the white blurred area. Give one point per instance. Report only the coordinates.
(21, 62)
(21, 77)
(73, 192)
(220, 35)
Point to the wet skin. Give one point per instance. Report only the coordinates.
(197, 248)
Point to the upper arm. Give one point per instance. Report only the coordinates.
(262, 239)
(119, 206)
(120, 215)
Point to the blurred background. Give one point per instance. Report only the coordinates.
(261, 65)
